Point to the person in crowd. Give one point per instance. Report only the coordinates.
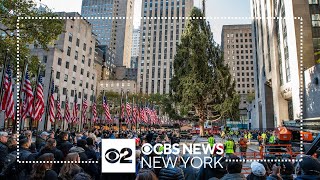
(12, 144)
(90, 149)
(189, 172)
(26, 155)
(171, 172)
(275, 173)
(287, 170)
(308, 169)
(41, 140)
(63, 143)
(82, 176)
(4, 150)
(234, 168)
(146, 174)
(258, 172)
(211, 171)
(50, 147)
(69, 170)
(43, 169)
(138, 162)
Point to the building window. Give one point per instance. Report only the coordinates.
(315, 20)
(83, 59)
(313, 1)
(70, 37)
(76, 55)
(75, 68)
(66, 78)
(69, 51)
(59, 61)
(84, 46)
(82, 71)
(44, 59)
(58, 75)
(73, 80)
(64, 91)
(67, 65)
(90, 51)
(89, 62)
(78, 42)
(81, 82)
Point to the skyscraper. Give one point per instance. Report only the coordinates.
(135, 48)
(114, 25)
(278, 55)
(236, 43)
(161, 28)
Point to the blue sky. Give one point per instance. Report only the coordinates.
(215, 8)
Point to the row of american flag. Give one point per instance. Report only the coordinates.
(33, 105)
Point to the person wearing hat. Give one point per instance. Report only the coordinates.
(258, 171)
(3, 148)
(234, 168)
(308, 168)
(41, 140)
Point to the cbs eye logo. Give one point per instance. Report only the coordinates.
(113, 155)
(118, 156)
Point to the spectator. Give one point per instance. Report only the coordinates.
(146, 174)
(171, 172)
(275, 175)
(234, 167)
(12, 144)
(258, 172)
(90, 149)
(82, 176)
(189, 172)
(287, 170)
(50, 147)
(25, 155)
(69, 170)
(63, 144)
(43, 170)
(308, 169)
(4, 151)
(210, 171)
(41, 140)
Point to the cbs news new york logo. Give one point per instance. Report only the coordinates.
(118, 156)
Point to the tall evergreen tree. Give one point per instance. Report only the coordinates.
(201, 79)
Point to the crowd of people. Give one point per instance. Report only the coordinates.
(64, 155)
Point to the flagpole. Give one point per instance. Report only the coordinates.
(81, 126)
(65, 110)
(92, 109)
(58, 99)
(120, 109)
(75, 106)
(48, 101)
(132, 115)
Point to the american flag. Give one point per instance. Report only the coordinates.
(106, 109)
(128, 108)
(7, 100)
(94, 112)
(28, 102)
(24, 111)
(75, 109)
(84, 110)
(148, 115)
(39, 107)
(51, 104)
(66, 111)
(135, 114)
(58, 115)
(143, 115)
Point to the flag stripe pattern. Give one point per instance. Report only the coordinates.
(106, 109)
(39, 107)
(58, 115)
(75, 109)
(84, 110)
(7, 100)
(51, 104)
(66, 111)
(28, 101)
